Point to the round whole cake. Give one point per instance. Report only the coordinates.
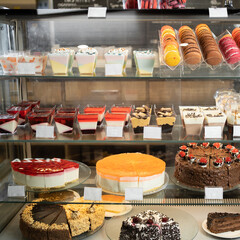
(208, 165)
(47, 221)
(117, 172)
(44, 173)
(150, 224)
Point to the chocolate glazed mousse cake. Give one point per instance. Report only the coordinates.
(218, 222)
(208, 165)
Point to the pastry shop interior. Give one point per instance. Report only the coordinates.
(120, 123)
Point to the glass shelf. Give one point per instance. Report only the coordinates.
(178, 135)
(171, 195)
(163, 72)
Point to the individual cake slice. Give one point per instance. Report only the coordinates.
(22, 110)
(218, 222)
(115, 119)
(166, 118)
(125, 109)
(39, 119)
(65, 122)
(144, 61)
(217, 119)
(150, 224)
(88, 122)
(113, 208)
(100, 110)
(86, 59)
(140, 118)
(193, 123)
(8, 123)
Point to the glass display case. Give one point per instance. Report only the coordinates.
(166, 87)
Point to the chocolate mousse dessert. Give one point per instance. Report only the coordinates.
(193, 123)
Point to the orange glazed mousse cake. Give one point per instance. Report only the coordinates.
(117, 172)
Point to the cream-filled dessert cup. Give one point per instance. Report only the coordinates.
(193, 123)
(187, 109)
(144, 61)
(61, 60)
(86, 60)
(217, 119)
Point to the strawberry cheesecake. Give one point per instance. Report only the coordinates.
(117, 172)
(44, 173)
(87, 122)
(100, 110)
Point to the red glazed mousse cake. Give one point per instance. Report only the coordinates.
(44, 173)
(22, 110)
(100, 110)
(200, 165)
(88, 123)
(65, 122)
(8, 123)
(39, 119)
(123, 110)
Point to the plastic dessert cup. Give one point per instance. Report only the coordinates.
(140, 118)
(166, 118)
(65, 122)
(100, 110)
(115, 119)
(187, 109)
(193, 123)
(33, 104)
(122, 109)
(22, 110)
(144, 61)
(87, 122)
(40, 61)
(9, 63)
(232, 119)
(67, 110)
(86, 60)
(39, 119)
(61, 60)
(218, 119)
(8, 123)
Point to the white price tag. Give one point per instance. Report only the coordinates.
(133, 194)
(92, 194)
(236, 131)
(213, 193)
(16, 191)
(97, 12)
(212, 132)
(26, 68)
(114, 131)
(152, 132)
(44, 131)
(218, 13)
(113, 69)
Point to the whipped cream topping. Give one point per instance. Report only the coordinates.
(144, 53)
(87, 51)
(63, 51)
(117, 51)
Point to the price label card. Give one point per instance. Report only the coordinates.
(97, 12)
(114, 131)
(133, 194)
(218, 13)
(212, 132)
(92, 194)
(26, 68)
(44, 131)
(152, 132)
(213, 193)
(236, 131)
(113, 69)
(16, 191)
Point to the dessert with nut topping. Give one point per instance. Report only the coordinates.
(166, 118)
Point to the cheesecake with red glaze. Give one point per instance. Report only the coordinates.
(44, 173)
(205, 164)
(100, 110)
(8, 123)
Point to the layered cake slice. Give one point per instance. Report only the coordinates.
(8, 123)
(39, 119)
(44, 173)
(215, 119)
(122, 109)
(218, 222)
(100, 110)
(150, 224)
(115, 119)
(140, 118)
(193, 123)
(166, 118)
(87, 122)
(22, 110)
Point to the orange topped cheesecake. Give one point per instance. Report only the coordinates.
(116, 172)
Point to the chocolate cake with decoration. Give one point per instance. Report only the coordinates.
(150, 224)
(200, 165)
